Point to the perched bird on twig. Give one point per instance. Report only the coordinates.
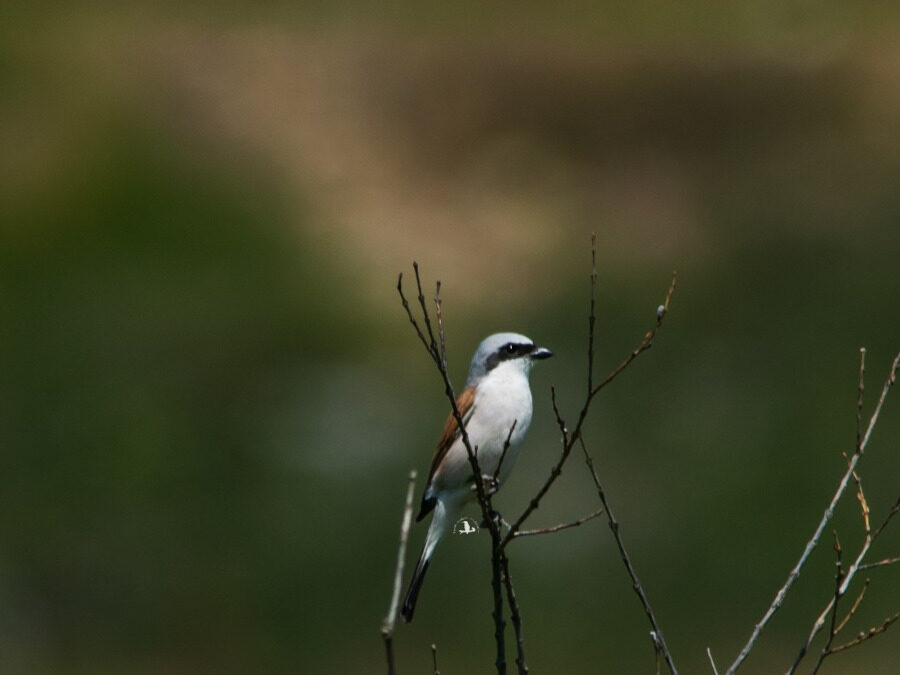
(495, 407)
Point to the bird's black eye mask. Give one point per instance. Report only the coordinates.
(511, 350)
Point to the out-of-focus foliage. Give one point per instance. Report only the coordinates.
(210, 398)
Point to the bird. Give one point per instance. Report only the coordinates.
(495, 406)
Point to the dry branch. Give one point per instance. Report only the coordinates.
(840, 591)
(853, 607)
(561, 526)
(570, 439)
(514, 615)
(880, 563)
(872, 632)
(826, 517)
(387, 626)
(656, 632)
(506, 445)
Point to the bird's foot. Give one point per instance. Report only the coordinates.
(488, 483)
(497, 518)
(491, 485)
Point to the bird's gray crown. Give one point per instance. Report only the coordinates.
(493, 350)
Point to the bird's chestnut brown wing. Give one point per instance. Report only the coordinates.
(464, 402)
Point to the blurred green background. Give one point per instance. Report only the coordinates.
(210, 397)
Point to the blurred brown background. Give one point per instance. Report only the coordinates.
(210, 396)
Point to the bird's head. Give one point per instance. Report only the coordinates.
(505, 348)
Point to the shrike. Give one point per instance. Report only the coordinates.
(496, 399)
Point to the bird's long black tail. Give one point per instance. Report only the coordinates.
(440, 524)
(415, 584)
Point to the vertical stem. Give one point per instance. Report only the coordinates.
(515, 616)
(387, 626)
(658, 640)
(496, 585)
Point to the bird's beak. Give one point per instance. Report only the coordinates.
(540, 353)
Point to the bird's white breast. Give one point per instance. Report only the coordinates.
(502, 398)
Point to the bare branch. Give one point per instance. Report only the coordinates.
(826, 518)
(838, 579)
(867, 543)
(569, 440)
(387, 626)
(817, 625)
(496, 575)
(872, 632)
(645, 344)
(880, 563)
(561, 526)
(853, 607)
(863, 504)
(893, 512)
(432, 344)
(505, 448)
(434, 659)
(859, 396)
(440, 321)
(409, 313)
(559, 420)
(845, 583)
(892, 377)
(657, 648)
(635, 581)
(592, 317)
(712, 661)
(514, 616)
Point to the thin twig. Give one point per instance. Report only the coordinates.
(645, 344)
(425, 317)
(853, 607)
(569, 440)
(863, 504)
(838, 579)
(657, 649)
(387, 626)
(514, 616)
(851, 573)
(592, 317)
(409, 313)
(561, 526)
(817, 625)
(880, 563)
(505, 448)
(859, 396)
(872, 632)
(893, 512)
(826, 518)
(623, 553)
(867, 543)
(712, 661)
(440, 321)
(434, 659)
(496, 576)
